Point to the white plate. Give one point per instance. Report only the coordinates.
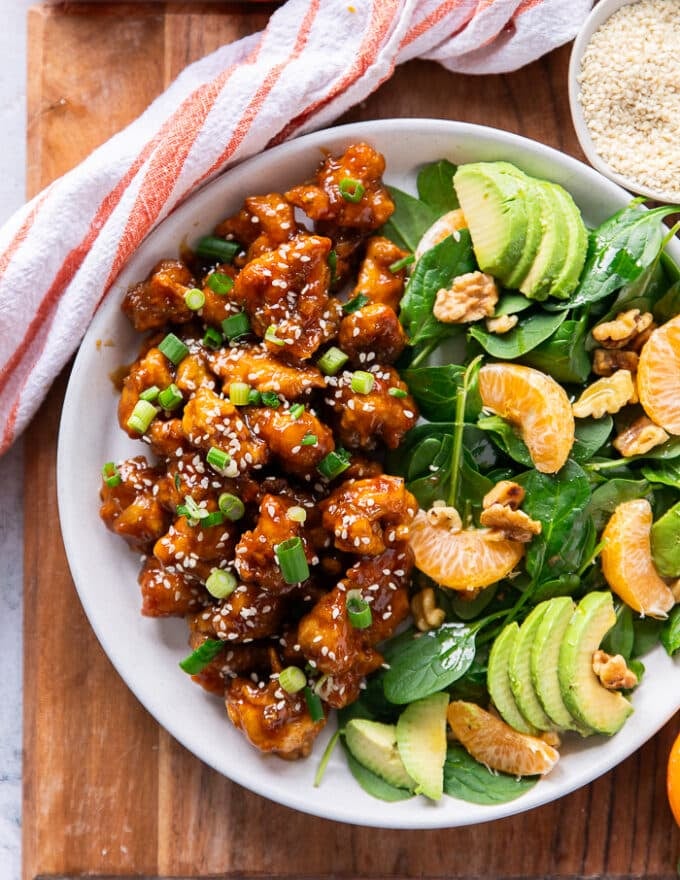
(145, 651)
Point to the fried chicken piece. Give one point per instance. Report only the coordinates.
(159, 300)
(218, 306)
(192, 373)
(325, 635)
(258, 368)
(247, 614)
(372, 333)
(341, 689)
(131, 509)
(364, 209)
(364, 419)
(232, 661)
(194, 549)
(189, 474)
(375, 279)
(299, 443)
(272, 720)
(166, 439)
(151, 369)
(262, 224)
(255, 557)
(287, 289)
(361, 468)
(209, 420)
(169, 593)
(367, 516)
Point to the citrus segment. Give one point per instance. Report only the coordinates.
(462, 560)
(627, 560)
(537, 405)
(673, 780)
(450, 224)
(494, 743)
(658, 376)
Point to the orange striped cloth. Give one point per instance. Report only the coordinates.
(316, 58)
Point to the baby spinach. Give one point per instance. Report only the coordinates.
(647, 632)
(411, 219)
(435, 186)
(524, 337)
(667, 473)
(435, 482)
(506, 438)
(669, 305)
(422, 456)
(665, 541)
(670, 632)
(564, 585)
(430, 662)
(473, 486)
(563, 355)
(590, 435)
(468, 780)
(469, 608)
(621, 637)
(607, 497)
(434, 389)
(373, 784)
(511, 303)
(435, 269)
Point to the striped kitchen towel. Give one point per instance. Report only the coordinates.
(60, 253)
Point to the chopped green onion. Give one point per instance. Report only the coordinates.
(235, 326)
(112, 476)
(170, 397)
(239, 393)
(270, 398)
(333, 264)
(199, 659)
(220, 584)
(270, 336)
(177, 480)
(333, 464)
(194, 299)
(292, 679)
(212, 247)
(332, 361)
(216, 518)
(309, 440)
(231, 506)
(212, 338)
(217, 458)
(290, 554)
(355, 304)
(398, 265)
(296, 411)
(358, 610)
(362, 382)
(296, 514)
(173, 348)
(325, 758)
(220, 283)
(254, 397)
(150, 394)
(192, 511)
(351, 189)
(397, 392)
(314, 705)
(142, 416)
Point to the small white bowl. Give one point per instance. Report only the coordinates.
(602, 11)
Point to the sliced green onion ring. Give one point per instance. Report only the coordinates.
(333, 464)
(220, 283)
(150, 394)
(296, 514)
(355, 304)
(142, 416)
(332, 361)
(351, 189)
(239, 393)
(216, 518)
(290, 555)
(111, 475)
(170, 397)
(202, 656)
(271, 398)
(235, 326)
(173, 348)
(309, 440)
(211, 247)
(362, 382)
(314, 705)
(212, 339)
(220, 583)
(398, 265)
(194, 299)
(217, 458)
(254, 397)
(292, 679)
(231, 506)
(358, 610)
(270, 336)
(397, 392)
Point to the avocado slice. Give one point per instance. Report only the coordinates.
(545, 653)
(493, 197)
(665, 541)
(586, 699)
(498, 680)
(577, 246)
(519, 671)
(421, 738)
(533, 235)
(374, 745)
(551, 255)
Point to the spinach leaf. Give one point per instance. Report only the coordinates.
(511, 303)
(372, 703)
(560, 503)
(435, 269)
(435, 186)
(506, 438)
(668, 451)
(670, 633)
(619, 251)
(667, 473)
(469, 608)
(435, 484)
(647, 634)
(411, 219)
(621, 637)
(609, 495)
(564, 585)
(422, 456)
(665, 540)
(522, 338)
(563, 355)
(669, 304)
(430, 663)
(434, 389)
(479, 446)
(372, 783)
(468, 780)
(590, 435)
(473, 486)
(399, 461)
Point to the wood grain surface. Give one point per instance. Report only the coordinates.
(106, 790)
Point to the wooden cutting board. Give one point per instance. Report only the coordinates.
(106, 790)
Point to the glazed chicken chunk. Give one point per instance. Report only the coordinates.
(257, 367)
(372, 334)
(131, 509)
(262, 224)
(160, 299)
(376, 280)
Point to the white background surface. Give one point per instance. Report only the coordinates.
(12, 184)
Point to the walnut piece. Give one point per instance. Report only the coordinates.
(639, 437)
(501, 324)
(613, 672)
(623, 329)
(471, 297)
(515, 525)
(607, 361)
(425, 612)
(505, 492)
(606, 395)
(441, 515)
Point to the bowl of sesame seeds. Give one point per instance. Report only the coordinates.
(624, 92)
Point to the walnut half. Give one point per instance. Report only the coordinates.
(515, 525)
(623, 329)
(471, 297)
(639, 437)
(613, 672)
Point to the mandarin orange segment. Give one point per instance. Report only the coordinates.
(658, 376)
(627, 560)
(537, 405)
(673, 780)
(462, 560)
(494, 743)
